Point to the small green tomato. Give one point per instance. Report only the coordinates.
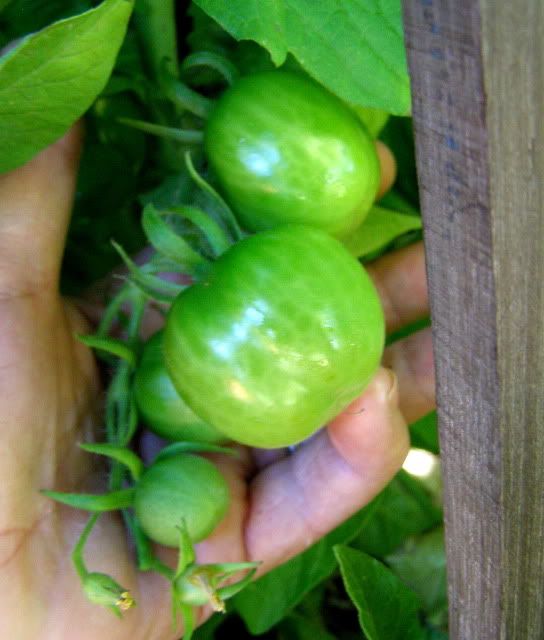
(181, 488)
(162, 408)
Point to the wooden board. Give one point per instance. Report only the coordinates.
(478, 92)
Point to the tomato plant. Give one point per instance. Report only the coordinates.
(284, 149)
(180, 488)
(161, 406)
(284, 331)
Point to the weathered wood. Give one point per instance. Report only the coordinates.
(477, 72)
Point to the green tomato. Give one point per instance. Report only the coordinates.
(180, 487)
(160, 405)
(284, 150)
(284, 331)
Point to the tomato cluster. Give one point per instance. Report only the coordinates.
(285, 328)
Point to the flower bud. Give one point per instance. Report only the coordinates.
(102, 589)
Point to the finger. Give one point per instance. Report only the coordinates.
(299, 499)
(401, 282)
(412, 361)
(35, 205)
(388, 168)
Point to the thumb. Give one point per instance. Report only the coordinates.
(35, 204)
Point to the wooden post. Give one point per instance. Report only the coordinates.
(477, 70)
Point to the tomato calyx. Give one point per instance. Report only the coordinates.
(194, 585)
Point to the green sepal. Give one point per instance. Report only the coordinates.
(223, 66)
(121, 454)
(111, 501)
(195, 585)
(185, 136)
(216, 237)
(112, 346)
(193, 447)
(232, 589)
(226, 212)
(183, 96)
(149, 284)
(147, 561)
(166, 241)
(186, 550)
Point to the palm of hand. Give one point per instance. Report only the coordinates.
(50, 400)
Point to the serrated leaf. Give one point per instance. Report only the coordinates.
(52, 77)
(266, 601)
(354, 48)
(388, 610)
(260, 20)
(378, 230)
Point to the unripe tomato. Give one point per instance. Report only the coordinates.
(283, 332)
(181, 487)
(160, 405)
(284, 149)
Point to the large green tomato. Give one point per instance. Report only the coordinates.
(180, 487)
(284, 150)
(282, 334)
(160, 405)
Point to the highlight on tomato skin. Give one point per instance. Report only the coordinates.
(284, 149)
(161, 407)
(282, 334)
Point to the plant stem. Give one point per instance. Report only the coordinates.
(77, 553)
(156, 24)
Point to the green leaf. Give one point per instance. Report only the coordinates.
(261, 20)
(424, 433)
(388, 610)
(26, 16)
(52, 77)
(265, 602)
(378, 230)
(373, 119)
(362, 38)
(421, 565)
(398, 135)
(406, 509)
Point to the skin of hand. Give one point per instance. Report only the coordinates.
(50, 400)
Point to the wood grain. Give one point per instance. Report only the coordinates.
(477, 85)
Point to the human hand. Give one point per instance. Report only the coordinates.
(50, 399)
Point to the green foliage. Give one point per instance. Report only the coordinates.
(327, 36)
(421, 564)
(406, 509)
(378, 230)
(269, 599)
(388, 610)
(38, 74)
(424, 433)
